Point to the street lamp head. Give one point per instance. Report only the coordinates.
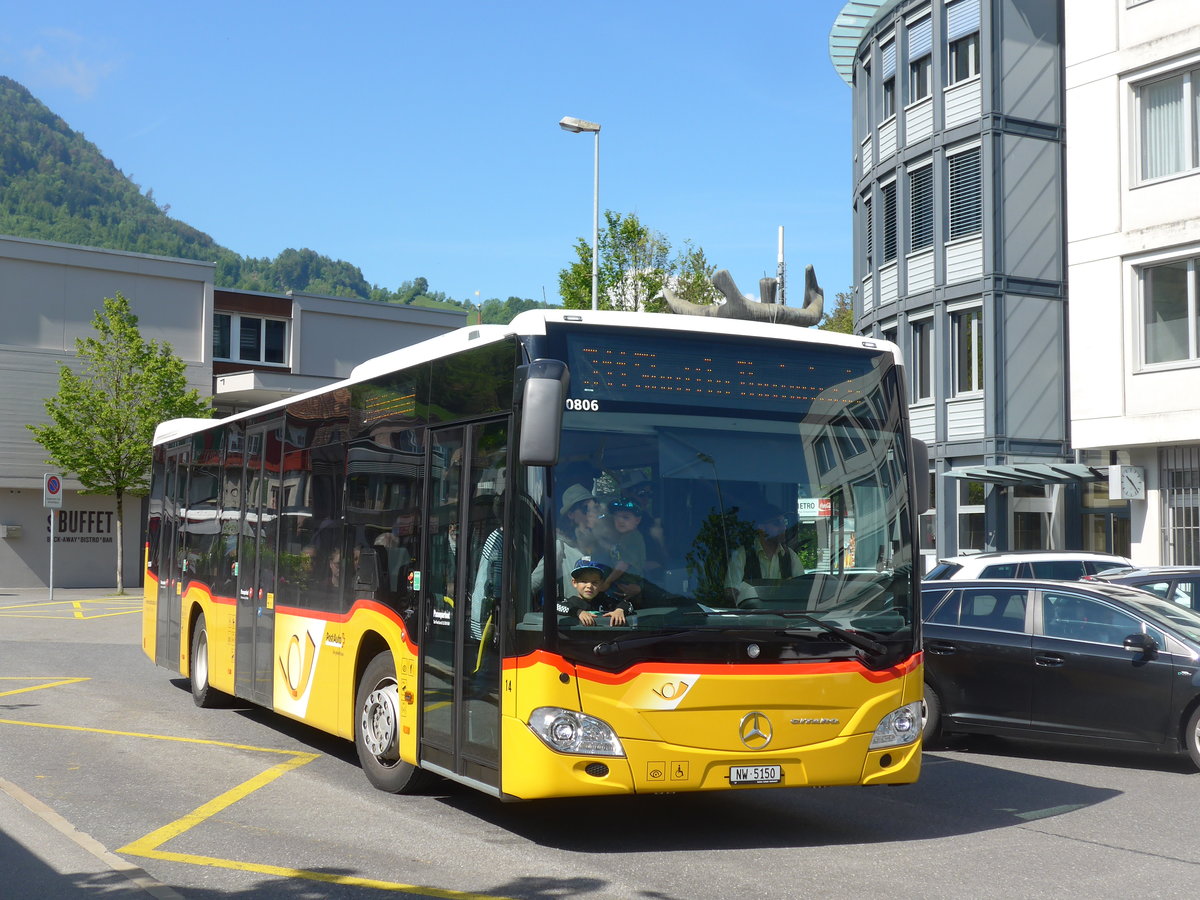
(575, 126)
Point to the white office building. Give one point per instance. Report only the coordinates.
(1133, 239)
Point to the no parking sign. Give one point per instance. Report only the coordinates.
(52, 491)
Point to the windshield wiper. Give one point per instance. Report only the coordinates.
(606, 648)
(863, 641)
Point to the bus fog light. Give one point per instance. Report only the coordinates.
(568, 731)
(900, 726)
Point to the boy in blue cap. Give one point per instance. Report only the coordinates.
(587, 577)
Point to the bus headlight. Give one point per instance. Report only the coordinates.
(900, 726)
(572, 732)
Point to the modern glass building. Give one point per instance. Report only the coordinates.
(960, 253)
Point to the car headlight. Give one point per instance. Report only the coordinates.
(900, 726)
(568, 731)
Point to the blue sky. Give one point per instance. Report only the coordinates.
(422, 139)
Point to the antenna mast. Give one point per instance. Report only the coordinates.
(780, 272)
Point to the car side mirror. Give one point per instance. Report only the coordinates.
(1142, 643)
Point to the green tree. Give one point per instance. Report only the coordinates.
(635, 263)
(841, 317)
(102, 421)
(493, 311)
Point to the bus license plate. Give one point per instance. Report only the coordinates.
(755, 774)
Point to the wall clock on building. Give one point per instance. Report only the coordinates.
(1126, 483)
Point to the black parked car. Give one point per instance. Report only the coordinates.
(1077, 662)
(1179, 584)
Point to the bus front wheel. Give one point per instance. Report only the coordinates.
(377, 731)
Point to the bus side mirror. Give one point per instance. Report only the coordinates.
(543, 398)
(919, 460)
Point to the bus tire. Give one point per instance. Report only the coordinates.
(931, 717)
(204, 694)
(377, 731)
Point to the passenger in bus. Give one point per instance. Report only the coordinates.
(642, 492)
(587, 577)
(628, 549)
(579, 522)
(771, 560)
(487, 582)
(396, 556)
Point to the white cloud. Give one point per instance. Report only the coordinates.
(59, 61)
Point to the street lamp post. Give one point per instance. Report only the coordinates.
(576, 126)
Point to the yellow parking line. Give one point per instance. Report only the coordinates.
(62, 679)
(78, 609)
(148, 846)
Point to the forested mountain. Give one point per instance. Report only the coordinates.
(55, 185)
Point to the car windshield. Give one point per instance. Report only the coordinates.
(760, 494)
(1181, 618)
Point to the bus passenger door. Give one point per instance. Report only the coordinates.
(171, 558)
(460, 596)
(257, 557)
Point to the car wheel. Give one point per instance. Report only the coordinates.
(377, 731)
(931, 717)
(204, 694)
(1191, 736)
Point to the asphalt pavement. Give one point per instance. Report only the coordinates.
(44, 854)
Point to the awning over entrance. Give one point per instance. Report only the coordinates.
(1032, 473)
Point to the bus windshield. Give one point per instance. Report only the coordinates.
(730, 502)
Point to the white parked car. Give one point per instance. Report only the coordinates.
(1064, 565)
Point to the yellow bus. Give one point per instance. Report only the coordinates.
(389, 558)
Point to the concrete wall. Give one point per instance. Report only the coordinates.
(332, 335)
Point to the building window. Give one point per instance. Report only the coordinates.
(1168, 139)
(1180, 468)
(966, 194)
(920, 59)
(920, 208)
(889, 221)
(239, 338)
(970, 515)
(968, 351)
(962, 37)
(922, 360)
(1169, 310)
(868, 236)
(887, 53)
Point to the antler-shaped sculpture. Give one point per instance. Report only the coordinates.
(736, 306)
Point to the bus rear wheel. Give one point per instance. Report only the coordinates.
(377, 731)
(203, 694)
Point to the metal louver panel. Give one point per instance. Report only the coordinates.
(920, 39)
(920, 202)
(966, 194)
(889, 222)
(962, 18)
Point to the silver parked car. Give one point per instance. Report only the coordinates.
(1067, 565)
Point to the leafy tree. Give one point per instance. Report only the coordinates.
(102, 422)
(694, 279)
(635, 264)
(841, 317)
(495, 312)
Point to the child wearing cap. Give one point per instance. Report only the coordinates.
(587, 577)
(628, 549)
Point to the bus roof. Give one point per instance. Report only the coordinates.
(532, 323)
